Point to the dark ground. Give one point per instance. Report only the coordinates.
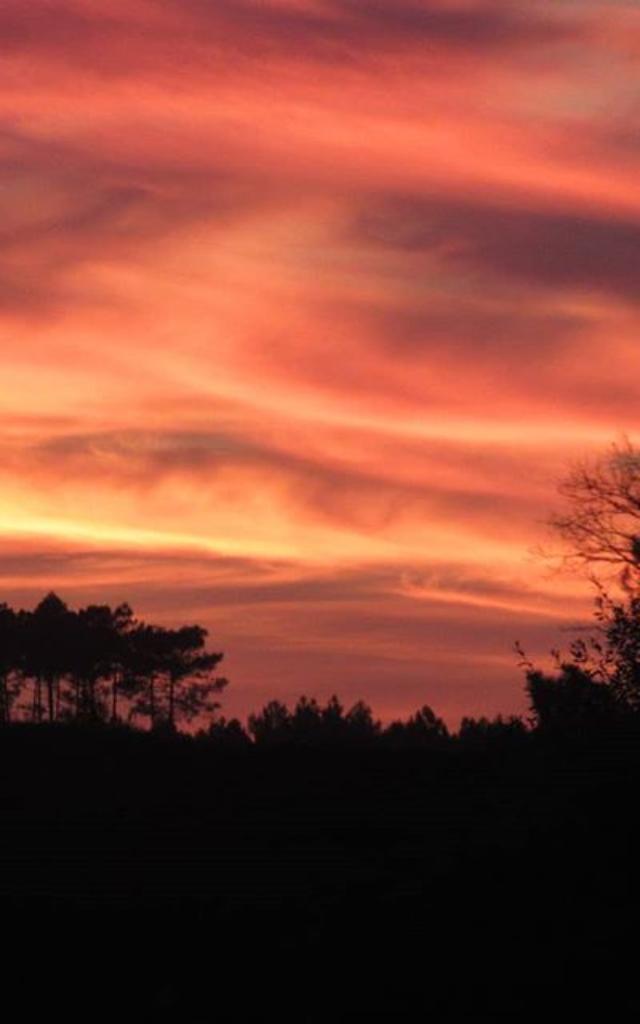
(162, 880)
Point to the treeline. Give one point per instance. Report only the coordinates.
(313, 725)
(101, 664)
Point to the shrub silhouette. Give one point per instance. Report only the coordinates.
(570, 700)
(598, 681)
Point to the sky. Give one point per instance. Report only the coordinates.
(305, 308)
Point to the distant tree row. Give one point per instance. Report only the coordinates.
(102, 664)
(312, 725)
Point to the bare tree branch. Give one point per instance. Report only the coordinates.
(600, 522)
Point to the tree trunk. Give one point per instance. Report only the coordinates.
(37, 700)
(50, 698)
(4, 699)
(172, 686)
(152, 701)
(7, 699)
(114, 697)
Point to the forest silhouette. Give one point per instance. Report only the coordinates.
(164, 863)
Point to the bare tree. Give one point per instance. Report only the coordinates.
(600, 522)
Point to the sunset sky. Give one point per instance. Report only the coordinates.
(306, 305)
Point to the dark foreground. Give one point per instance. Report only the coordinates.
(162, 880)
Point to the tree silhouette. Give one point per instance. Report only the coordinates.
(9, 660)
(422, 730)
(98, 654)
(307, 724)
(48, 654)
(122, 630)
(84, 665)
(173, 674)
(600, 528)
(272, 726)
(599, 678)
(226, 734)
(361, 727)
(333, 720)
(482, 734)
(571, 700)
(311, 725)
(613, 656)
(189, 672)
(144, 668)
(600, 523)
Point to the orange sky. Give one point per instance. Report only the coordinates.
(305, 307)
